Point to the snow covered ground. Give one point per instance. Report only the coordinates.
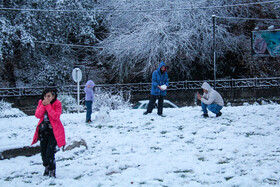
(241, 148)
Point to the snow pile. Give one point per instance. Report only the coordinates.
(6, 110)
(240, 148)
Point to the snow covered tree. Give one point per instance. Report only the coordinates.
(129, 39)
(24, 60)
(147, 32)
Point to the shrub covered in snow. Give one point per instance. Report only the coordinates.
(68, 102)
(111, 101)
(6, 110)
(102, 99)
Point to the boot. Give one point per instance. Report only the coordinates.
(52, 173)
(205, 115)
(46, 172)
(219, 114)
(145, 113)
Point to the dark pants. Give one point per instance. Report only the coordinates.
(89, 110)
(152, 104)
(48, 148)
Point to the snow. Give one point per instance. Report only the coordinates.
(240, 148)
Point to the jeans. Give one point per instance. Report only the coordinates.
(89, 110)
(212, 107)
(152, 103)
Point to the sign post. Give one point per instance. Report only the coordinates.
(77, 76)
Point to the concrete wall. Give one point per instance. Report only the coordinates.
(236, 97)
(27, 104)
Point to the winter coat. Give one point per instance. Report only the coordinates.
(54, 111)
(89, 90)
(159, 79)
(212, 96)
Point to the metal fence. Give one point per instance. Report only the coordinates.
(143, 87)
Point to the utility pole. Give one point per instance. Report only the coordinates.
(214, 47)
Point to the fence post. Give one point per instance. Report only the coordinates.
(195, 99)
(20, 91)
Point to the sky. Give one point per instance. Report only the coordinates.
(127, 148)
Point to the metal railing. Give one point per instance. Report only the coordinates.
(143, 87)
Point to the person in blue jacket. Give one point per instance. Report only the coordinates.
(89, 97)
(159, 87)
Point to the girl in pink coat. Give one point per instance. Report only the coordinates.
(50, 130)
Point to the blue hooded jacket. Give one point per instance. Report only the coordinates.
(159, 79)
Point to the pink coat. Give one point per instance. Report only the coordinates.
(54, 111)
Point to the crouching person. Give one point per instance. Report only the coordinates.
(49, 130)
(210, 100)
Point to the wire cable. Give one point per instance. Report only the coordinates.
(71, 45)
(155, 10)
(239, 18)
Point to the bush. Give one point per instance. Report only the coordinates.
(68, 102)
(103, 99)
(6, 110)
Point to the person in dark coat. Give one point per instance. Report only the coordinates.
(159, 87)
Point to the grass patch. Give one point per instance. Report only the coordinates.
(155, 148)
(224, 161)
(271, 181)
(189, 141)
(248, 134)
(78, 177)
(225, 124)
(228, 178)
(180, 136)
(201, 159)
(64, 159)
(160, 180)
(99, 126)
(184, 171)
(11, 178)
(183, 176)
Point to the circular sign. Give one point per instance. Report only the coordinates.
(77, 74)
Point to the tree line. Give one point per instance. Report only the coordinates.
(124, 41)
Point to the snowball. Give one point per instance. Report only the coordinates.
(163, 87)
